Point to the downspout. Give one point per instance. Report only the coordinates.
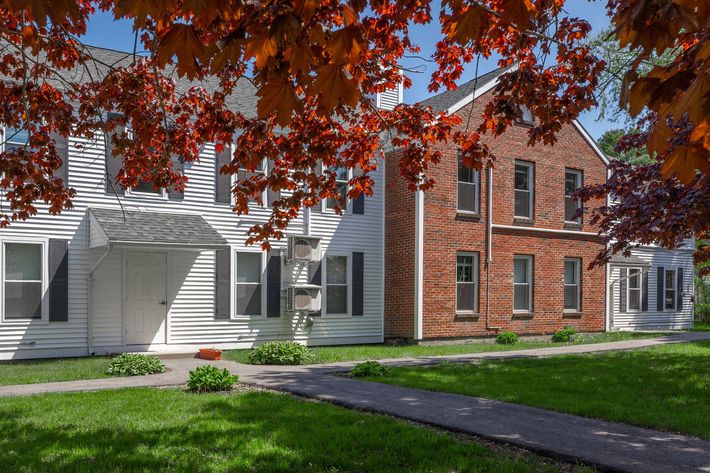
(89, 316)
(307, 221)
(489, 245)
(418, 264)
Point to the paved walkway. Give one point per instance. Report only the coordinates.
(608, 445)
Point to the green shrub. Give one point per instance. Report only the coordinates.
(131, 364)
(369, 369)
(280, 353)
(507, 338)
(565, 335)
(208, 378)
(702, 311)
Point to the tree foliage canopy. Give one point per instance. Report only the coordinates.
(315, 65)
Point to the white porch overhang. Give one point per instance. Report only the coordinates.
(146, 229)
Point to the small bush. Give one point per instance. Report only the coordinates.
(702, 311)
(130, 364)
(369, 369)
(507, 338)
(565, 335)
(280, 353)
(208, 378)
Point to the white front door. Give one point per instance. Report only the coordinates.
(146, 298)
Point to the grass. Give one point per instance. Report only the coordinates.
(60, 369)
(170, 430)
(378, 352)
(665, 387)
(701, 327)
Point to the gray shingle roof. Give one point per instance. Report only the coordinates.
(632, 260)
(156, 227)
(449, 98)
(243, 98)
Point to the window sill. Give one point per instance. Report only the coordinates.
(572, 225)
(469, 216)
(147, 196)
(24, 322)
(523, 315)
(466, 316)
(572, 314)
(523, 221)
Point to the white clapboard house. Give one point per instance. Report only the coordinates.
(169, 271)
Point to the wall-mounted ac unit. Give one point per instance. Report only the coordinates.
(302, 248)
(303, 298)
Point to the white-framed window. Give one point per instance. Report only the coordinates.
(468, 188)
(573, 181)
(524, 189)
(467, 282)
(670, 291)
(243, 175)
(144, 188)
(572, 284)
(249, 294)
(23, 280)
(526, 116)
(522, 283)
(634, 289)
(337, 282)
(14, 138)
(342, 180)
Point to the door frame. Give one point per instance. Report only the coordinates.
(124, 293)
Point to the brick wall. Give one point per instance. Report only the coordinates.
(446, 233)
(399, 256)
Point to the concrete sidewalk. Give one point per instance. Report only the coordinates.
(608, 445)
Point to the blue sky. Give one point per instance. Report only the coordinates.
(105, 32)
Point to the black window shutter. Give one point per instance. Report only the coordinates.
(679, 290)
(273, 284)
(113, 163)
(61, 143)
(644, 292)
(223, 182)
(271, 195)
(358, 296)
(622, 290)
(223, 283)
(319, 203)
(179, 164)
(314, 277)
(58, 280)
(659, 287)
(359, 202)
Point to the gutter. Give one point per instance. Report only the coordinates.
(418, 264)
(89, 315)
(489, 246)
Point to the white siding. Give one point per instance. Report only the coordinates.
(653, 319)
(190, 273)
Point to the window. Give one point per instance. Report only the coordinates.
(572, 283)
(573, 181)
(23, 281)
(634, 289)
(342, 178)
(467, 282)
(336, 278)
(15, 138)
(524, 189)
(143, 187)
(249, 274)
(526, 116)
(244, 175)
(522, 283)
(669, 290)
(468, 188)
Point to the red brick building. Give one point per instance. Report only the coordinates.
(475, 256)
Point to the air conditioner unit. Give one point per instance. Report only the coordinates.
(302, 248)
(303, 298)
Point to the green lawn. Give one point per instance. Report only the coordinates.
(170, 430)
(378, 352)
(701, 327)
(44, 371)
(666, 387)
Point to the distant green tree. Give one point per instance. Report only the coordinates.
(610, 139)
